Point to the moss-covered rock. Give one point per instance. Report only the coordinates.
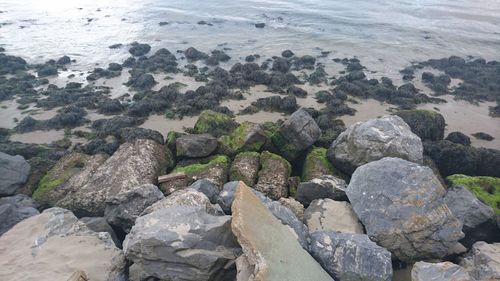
(214, 123)
(245, 168)
(247, 137)
(214, 168)
(273, 176)
(427, 124)
(486, 189)
(316, 164)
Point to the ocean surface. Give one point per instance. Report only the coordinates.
(385, 34)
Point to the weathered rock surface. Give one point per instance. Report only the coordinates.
(247, 137)
(285, 259)
(245, 168)
(426, 124)
(182, 243)
(483, 261)
(123, 209)
(273, 177)
(329, 215)
(195, 145)
(401, 205)
(14, 209)
(443, 271)
(226, 196)
(214, 169)
(364, 142)
(208, 188)
(316, 164)
(294, 206)
(351, 256)
(172, 182)
(14, 172)
(54, 245)
(187, 197)
(99, 224)
(320, 188)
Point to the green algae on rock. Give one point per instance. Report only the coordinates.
(427, 124)
(316, 164)
(247, 137)
(214, 169)
(214, 123)
(486, 189)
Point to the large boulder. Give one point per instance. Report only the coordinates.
(443, 271)
(428, 125)
(273, 176)
(285, 259)
(195, 145)
(245, 168)
(14, 172)
(351, 256)
(14, 209)
(187, 197)
(459, 138)
(123, 208)
(319, 188)
(401, 205)
(364, 142)
(182, 243)
(329, 215)
(483, 261)
(54, 245)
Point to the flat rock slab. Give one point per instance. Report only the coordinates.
(270, 247)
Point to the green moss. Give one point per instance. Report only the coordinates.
(235, 142)
(286, 149)
(214, 123)
(46, 184)
(249, 154)
(486, 189)
(316, 154)
(199, 167)
(265, 155)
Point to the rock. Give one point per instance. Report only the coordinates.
(39, 167)
(288, 218)
(296, 91)
(323, 187)
(243, 269)
(123, 209)
(215, 123)
(247, 137)
(273, 177)
(172, 182)
(195, 145)
(14, 172)
(483, 261)
(226, 196)
(208, 188)
(260, 25)
(215, 169)
(296, 134)
(486, 189)
(294, 206)
(426, 124)
(316, 164)
(364, 142)
(329, 215)
(351, 256)
(134, 164)
(193, 54)
(478, 219)
(483, 136)
(452, 158)
(99, 224)
(54, 245)
(287, 54)
(187, 197)
(443, 271)
(139, 49)
(400, 203)
(182, 243)
(245, 168)
(286, 259)
(459, 138)
(14, 209)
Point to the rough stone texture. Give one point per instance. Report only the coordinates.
(245, 168)
(316, 164)
(182, 243)
(364, 142)
(273, 177)
(443, 271)
(401, 205)
(123, 209)
(134, 164)
(14, 209)
(247, 137)
(243, 269)
(195, 145)
(288, 218)
(54, 245)
(285, 259)
(483, 261)
(459, 138)
(323, 187)
(214, 169)
(226, 196)
(351, 256)
(172, 182)
(478, 219)
(426, 124)
(208, 188)
(14, 172)
(187, 197)
(294, 206)
(99, 224)
(329, 215)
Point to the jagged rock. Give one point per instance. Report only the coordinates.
(14, 209)
(14, 172)
(477, 218)
(99, 224)
(323, 187)
(123, 209)
(208, 188)
(443, 271)
(317, 164)
(195, 145)
(401, 205)
(187, 197)
(351, 256)
(54, 245)
(214, 169)
(273, 177)
(247, 137)
(329, 215)
(294, 206)
(134, 164)
(286, 259)
(483, 261)
(245, 168)
(364, 142)
(426, 124)
(182, 243)
(288, 218)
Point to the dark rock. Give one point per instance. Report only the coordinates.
(459, 138)
(111, 107)
(139, 49)
(14, 172)
(428, 125)
(452, 158)
(304, 62)
(483, 136)
(99, 224)
(323, 187)
(287, 54)
(296, 91)
(134, 133)
(260, 25)
(63, 60)
(195, 145)
(214, 123)
(14, 209)
(193, 54)
(208, 188)
(281, 65)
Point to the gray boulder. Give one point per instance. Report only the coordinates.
(443, 271)
(324, 187)
(364, 142)
(186, 197)
(208, 188)
(329, 215)
(288, 218)
(478, 218)
(14, 172)
(483, 261)
(123, 209)
(226, 196)
(295, 206)
(401, 205)
(14, 209)
(351, 256)
(195, 145)
(99, 224)
(182, 243)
